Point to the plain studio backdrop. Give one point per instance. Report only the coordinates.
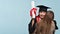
(14, 15)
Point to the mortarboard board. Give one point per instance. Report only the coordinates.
(43, 8)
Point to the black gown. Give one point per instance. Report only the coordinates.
(56, 27)
(30, 27)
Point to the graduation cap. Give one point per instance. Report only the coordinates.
(43, 8)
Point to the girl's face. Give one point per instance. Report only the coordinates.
(42, 14)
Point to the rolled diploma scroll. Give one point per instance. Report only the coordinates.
(33, 10)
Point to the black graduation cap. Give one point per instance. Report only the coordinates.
(43, 8)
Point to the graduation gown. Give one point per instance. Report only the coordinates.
(56, 27)
(30, 27)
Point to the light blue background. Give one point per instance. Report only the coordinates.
(14, 15)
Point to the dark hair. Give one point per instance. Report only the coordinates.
(42, 11)
(44, 25)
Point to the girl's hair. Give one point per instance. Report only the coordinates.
(45, 24)
(51, 12)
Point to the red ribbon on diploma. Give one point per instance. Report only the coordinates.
(33, 10)
(37, 17)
